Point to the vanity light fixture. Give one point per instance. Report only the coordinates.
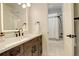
(24, 5)
(28, 5)
(19, 3)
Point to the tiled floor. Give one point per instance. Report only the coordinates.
(55, 48)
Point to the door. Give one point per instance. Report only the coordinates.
(68, 29)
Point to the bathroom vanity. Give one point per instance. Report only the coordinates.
(30, 45)
(13, 23)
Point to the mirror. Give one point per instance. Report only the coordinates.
(14, 17)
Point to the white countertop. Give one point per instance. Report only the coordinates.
(8, 43)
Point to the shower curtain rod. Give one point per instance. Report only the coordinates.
(57, 16)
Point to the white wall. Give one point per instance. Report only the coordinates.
(39, 12)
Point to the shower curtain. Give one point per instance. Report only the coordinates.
(53, 27)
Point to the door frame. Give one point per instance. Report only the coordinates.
(68, 28)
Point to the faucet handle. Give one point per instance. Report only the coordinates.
(1, 34)
(22, 34)
(16, 33)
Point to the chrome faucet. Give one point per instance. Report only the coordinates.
(20, 30)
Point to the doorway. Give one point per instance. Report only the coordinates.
(55, 29)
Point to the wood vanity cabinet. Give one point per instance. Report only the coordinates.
(33, 47)
(30, 48)
(5, 53)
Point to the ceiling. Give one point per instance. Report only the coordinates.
(54, 7)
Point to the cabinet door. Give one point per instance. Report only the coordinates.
(17, 51)
(35, 49)
(35, 46)
(5, 53)
(28, 48)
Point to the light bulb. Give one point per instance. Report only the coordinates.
(28, 5)
(19, 3)
(24, 6)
